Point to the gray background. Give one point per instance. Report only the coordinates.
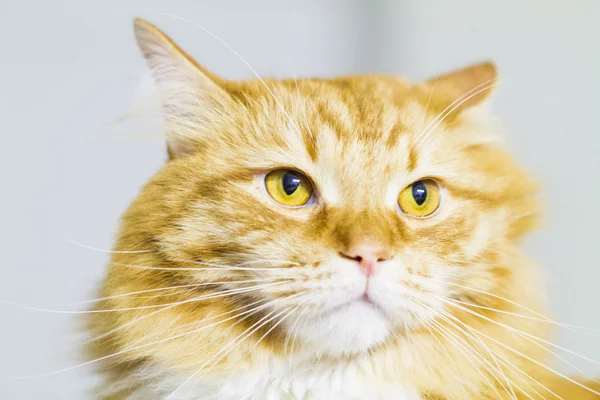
(69, 68)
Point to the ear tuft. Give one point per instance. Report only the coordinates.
(191, 96)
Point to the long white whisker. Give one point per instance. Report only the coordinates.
(293, 330)
(462, 385)
(527, 357)
(273, 265)
(544, 320)
(513, 367)
(214, 267)
(515, 304)
(203, 321)
(473, 330)
(464, 351)
(229, 346)
(260, 261)
(191, 285)
(103, 250)
(131, 349)
(533, 339)
(274, 326)
(470, 338)
(528, 336)
(136, 320)
(195, 299)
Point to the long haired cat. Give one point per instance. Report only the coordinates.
(348, 238)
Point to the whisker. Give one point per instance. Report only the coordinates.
(515, 304)
(450, 316)
(510, 364)
(464, 351)
(544, 320)
(168, 293)
(480, 343)
(232, 343)
(293, 331)
(260, 261)
(274, 326)
(103, 250)
(300, 324)
(532, 339)
(191, 285)
(506, 361)
(190, 324)
(212, 267)
(509, 381)
(131, 349)
(525, 356)
(447, 353)
(525, 334)
(209, 296)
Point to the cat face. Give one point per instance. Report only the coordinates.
(344, 206)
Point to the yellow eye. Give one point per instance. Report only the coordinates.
(420, 199)
(289, 187)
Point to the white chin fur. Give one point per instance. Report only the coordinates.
(352, 328)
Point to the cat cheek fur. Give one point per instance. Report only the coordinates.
(244, 293)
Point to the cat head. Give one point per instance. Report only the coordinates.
(350, 208)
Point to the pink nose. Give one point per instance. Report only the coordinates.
(367, 257)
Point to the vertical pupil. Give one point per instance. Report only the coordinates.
(419, 192)
(290, 182)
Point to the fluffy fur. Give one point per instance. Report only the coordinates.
(217, 292)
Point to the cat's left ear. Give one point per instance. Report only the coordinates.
(191, 96)
(468, 87)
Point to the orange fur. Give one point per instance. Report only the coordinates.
(358, 139)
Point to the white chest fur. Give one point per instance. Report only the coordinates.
(278, 381)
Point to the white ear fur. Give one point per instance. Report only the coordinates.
(191, 96)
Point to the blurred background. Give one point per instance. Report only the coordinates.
(70, 68)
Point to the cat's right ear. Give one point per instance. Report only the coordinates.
(190, 95)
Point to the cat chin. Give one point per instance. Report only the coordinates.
(352, 328)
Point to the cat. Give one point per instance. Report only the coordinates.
(348, 238)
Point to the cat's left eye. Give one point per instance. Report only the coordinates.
(289, 188)
(421, 199)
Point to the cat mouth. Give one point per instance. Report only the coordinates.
(363, 300)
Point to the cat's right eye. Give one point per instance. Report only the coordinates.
(289, 188)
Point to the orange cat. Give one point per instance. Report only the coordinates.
(352, 238)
